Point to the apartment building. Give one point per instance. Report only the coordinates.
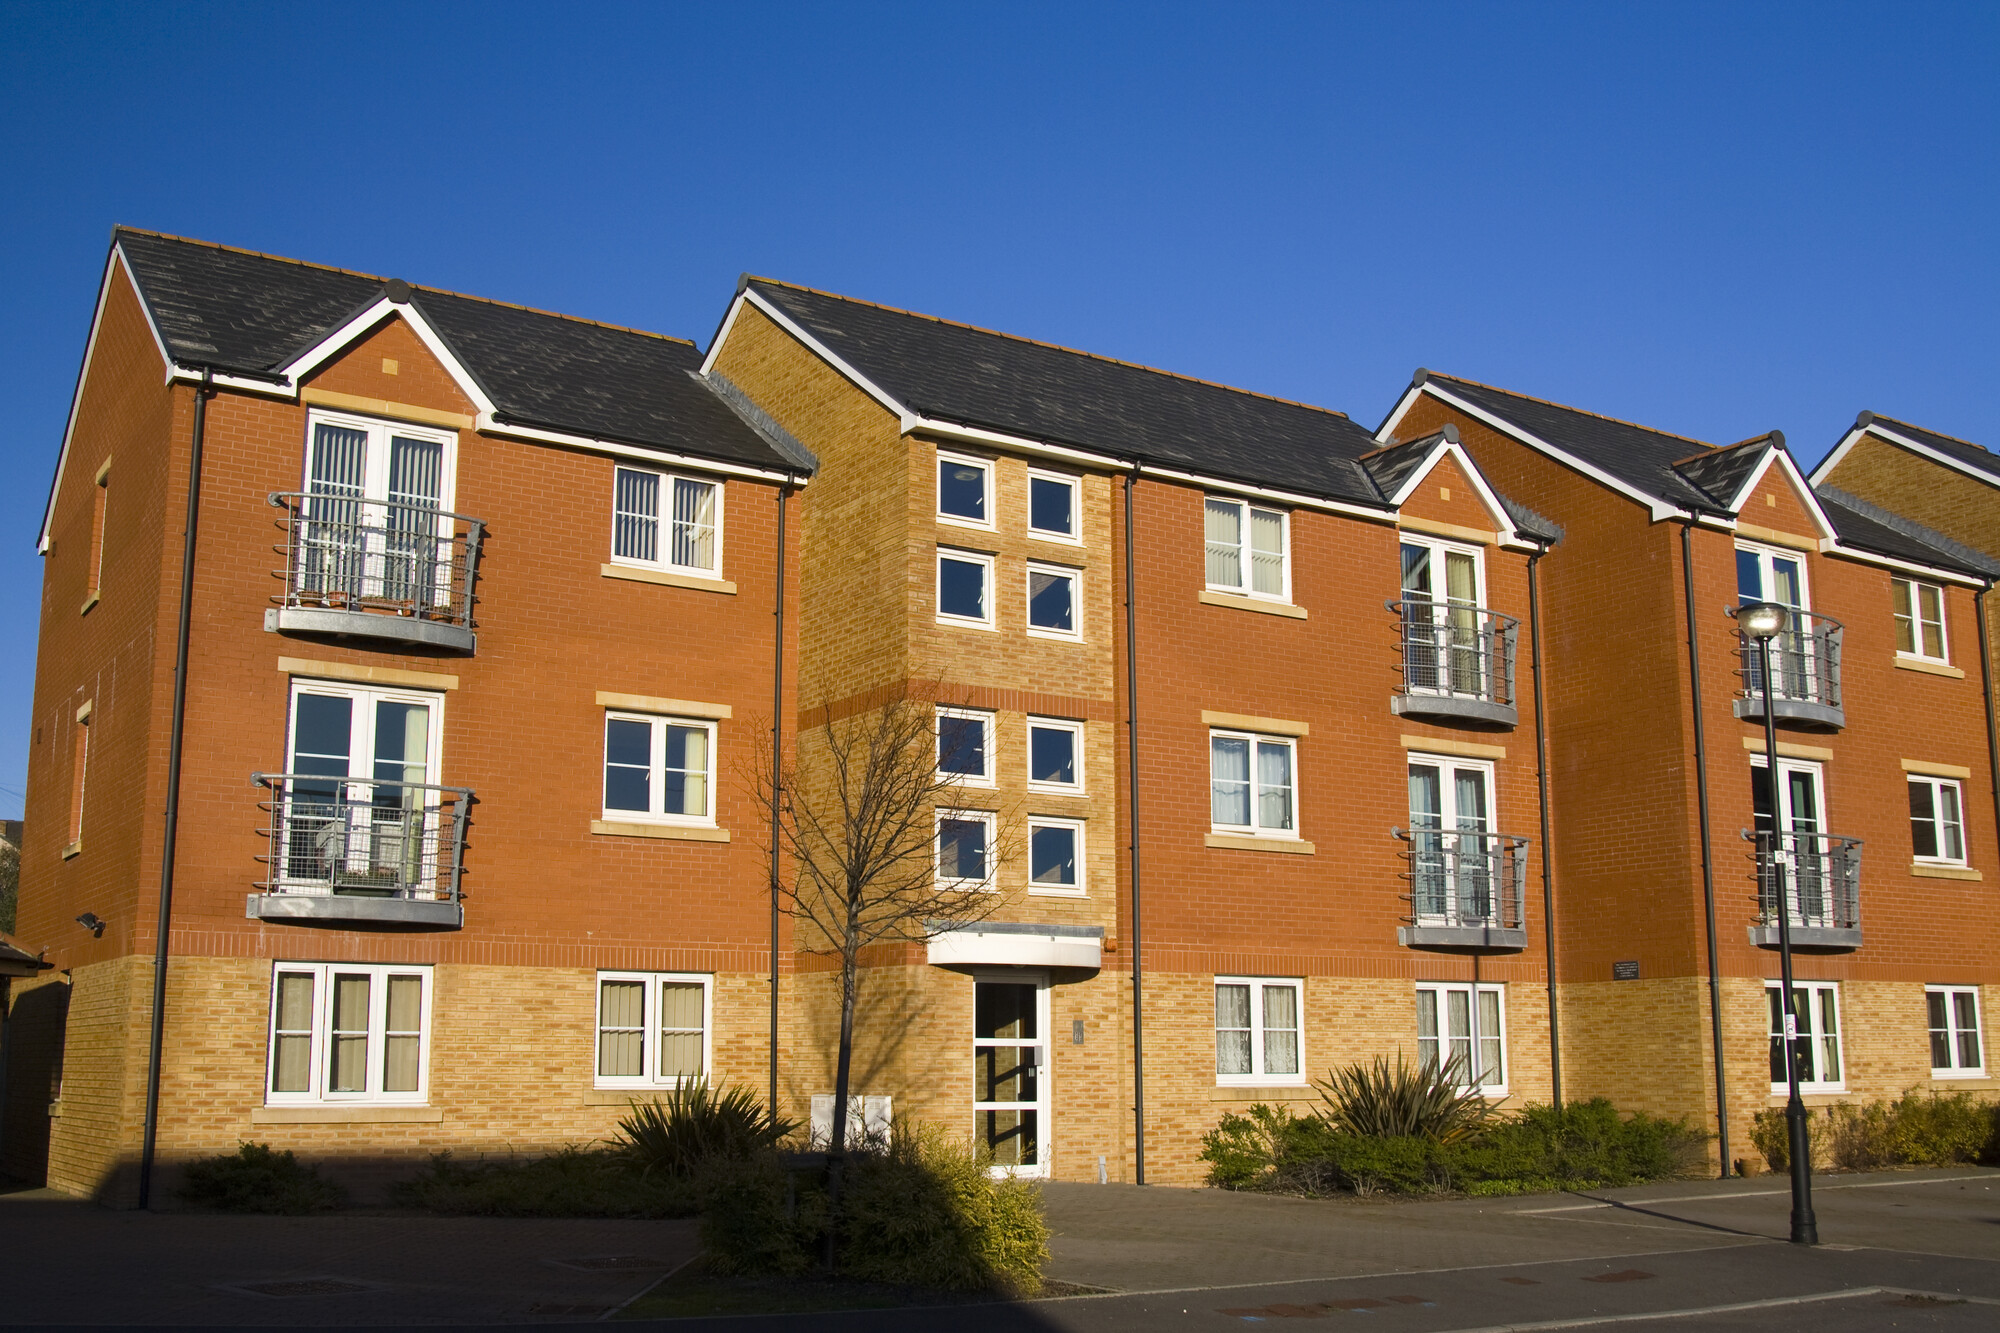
(479, 623)
(1259, 687)
(1669, 828)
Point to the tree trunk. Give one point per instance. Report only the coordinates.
(836, 1148)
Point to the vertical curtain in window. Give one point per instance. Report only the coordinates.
(291, 1062)
(335, 470)
(621, 1029)
(680, 1030)
(1274, 785)
(347, 1058)
(1225, 544)
(1267, 552)
(1281, 1030)
(1229, 786)
(1427, 841)
(694, 524)
(637, 524)
(1232, 1029)
(403, 1037)
(410, 557)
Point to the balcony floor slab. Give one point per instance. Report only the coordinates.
(311, 908)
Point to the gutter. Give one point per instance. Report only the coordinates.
(1542, 796)
(1986, 688)
(1132, 804)
(1707, 856)
(171, 835)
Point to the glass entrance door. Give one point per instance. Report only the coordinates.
(1010, 1073)
(1800, 836)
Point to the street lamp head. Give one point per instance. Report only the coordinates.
(1762, 620)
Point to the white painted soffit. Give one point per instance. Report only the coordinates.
(973, 947)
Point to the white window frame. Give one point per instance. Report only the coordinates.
(650, 1030)
(1915, 587)
(1074, 634)
(1953, 1032)
(986, 468)
(1075, 486)
(1075, 730)
(1439, 547)
(1258, 1075)
(1044, 1044)
(375, 480)
(664, 518)
(1936, 784)
(1813, 989)
(656, 785)
(1765, 555)
(1243, 563)
(1443, 990)
(361, 737)
(984, 718)
(1253, 829)
(1081, 888)
(320, 1046)
(992, 822)
(981, 558)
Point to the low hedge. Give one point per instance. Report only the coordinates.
(1916, 1129)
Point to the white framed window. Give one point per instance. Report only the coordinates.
(1448, 1036)
(965, 848)
(1248, 549)
(964, 588)
(1769, 574)
(349, 1032)
(1054, 509)
(1814, 1025)
(1258, 1030)
(965, 745)
(377, 501)
(1956, 1049)
(1055, 855)
(1055, 756)
(1251, 784)
(1919, 619)
(965, 490)
(653, 1028)
(1454, 878)
(361, 808)
(659, 770)
(1937, 823)
(1053, 605)
(662, 520)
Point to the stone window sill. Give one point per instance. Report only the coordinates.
(1929, 668)
(1292, 846)
(346, 1115)
(664, 579)
(1275, 1092)
(1209, 598)
(1922, 871)
(73, 849)
(682, 832)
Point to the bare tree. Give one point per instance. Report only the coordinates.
(858, 817)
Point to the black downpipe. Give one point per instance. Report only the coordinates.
(201, 397)
(1542, 793)
(777, 771)
(1132, 801)
(1707, 860)
(1986, 685)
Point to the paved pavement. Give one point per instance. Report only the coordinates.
(1905, 1250)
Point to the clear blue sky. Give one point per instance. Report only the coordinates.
(1713, 219)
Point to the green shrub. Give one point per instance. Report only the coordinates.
(927, 1211)
(1916, 1129)
(1396, 1164)
(1944, 1129)
(1770, 1136)
(1581, 1144)
(758, 1219)
(696, 1122)
(1242, 1151)
(575, 1182)
(1406, 1101)
(255, 1179)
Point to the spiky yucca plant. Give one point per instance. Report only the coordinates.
(1402, 1101)
(695, 1122)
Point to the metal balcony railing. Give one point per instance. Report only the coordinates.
(363, 850)
(1467, 890)
(380, 568)
(1457, 661)
(1822, 880)
(1805, 672)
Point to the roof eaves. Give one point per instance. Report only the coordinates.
(1966, 557)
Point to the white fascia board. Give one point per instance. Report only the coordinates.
(722, 334)
(1503, 522)
(1387, 430)
(1778, 457)
(1832, 460)
(1832, 546)
(304, 364)
(486, 425)
(972, 947)
(1660, 509)
(819, 349)
(111, 266)
(1926, 451)
(913, 424)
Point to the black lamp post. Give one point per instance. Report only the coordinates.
(1764, 621)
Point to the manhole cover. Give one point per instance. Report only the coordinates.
(612, 1263)
(568, 1311)
(1523, 1281)
(311, 1286)
(1623, 1275)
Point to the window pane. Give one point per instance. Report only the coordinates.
(402, 1058)
(1052, 601)
(1049, 506)
(694, 524)
(291, 1064)
(1940, 1025)
(636, 531)
(1224, 523)
(1949, 825)
(406, 1004)
(1777, 1035)
(291, 1070)
(1229, 784)
(1274, 785)
(621, 1036)
(961, 588)
(680, 1006)
(962, 746)
(1965, 1007)
(348, 1057)
(1923, 819)
(962, 848)
(1232, 1030)
(680, 1055)
(1427, 1028)
(628, 765)
(961, 489)
(1830, 1036)
(1267, 552)
(1749, 577)
(1491, 1070)
(1931, 599)
(1053, 856)
(680, 1030)
(1052, 755)
(1281, 1030)
(1906, 616)
(684, 783)
(322, 734)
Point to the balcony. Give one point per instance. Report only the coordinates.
(1823, 879)
(342, 851)
(1457, 663)
(1805, 675)
(1468, 891)
(376, 569)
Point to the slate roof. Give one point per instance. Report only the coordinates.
(976, 377)
(1639, 456)
(253, 314)
(1390, 467)
(1720, 473)
(1873, 528)
(1964, 451)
